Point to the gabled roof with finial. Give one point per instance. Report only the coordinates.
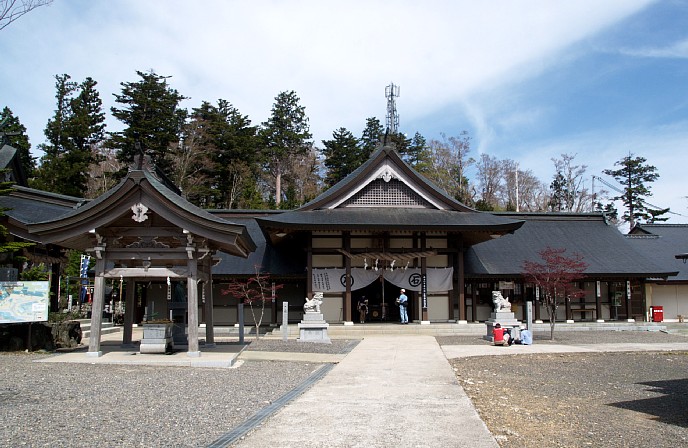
(385, 193)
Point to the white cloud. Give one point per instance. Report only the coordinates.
(677, 50)
(337, 56)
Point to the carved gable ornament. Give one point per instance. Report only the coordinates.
(140, 212)
(387, 175)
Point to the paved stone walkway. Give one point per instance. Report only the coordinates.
(389, 391)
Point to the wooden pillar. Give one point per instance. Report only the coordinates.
(629, 315)
(309, 266)
(598, 301)
(462, 287)
(346, 240)
(192, 294)
(97, 310)
(454, 301)
(424, 273)
(474, 301)
(537, 300)
(129, 310)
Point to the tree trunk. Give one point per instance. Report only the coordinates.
(278, 185)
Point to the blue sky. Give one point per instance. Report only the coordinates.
(529, 80)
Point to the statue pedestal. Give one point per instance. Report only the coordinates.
(506, 319)
(313, 328)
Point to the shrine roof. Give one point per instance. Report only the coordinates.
(287, 260)
(661, 243)
(606, 251)
(388, 218)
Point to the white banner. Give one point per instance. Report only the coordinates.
(334, 280)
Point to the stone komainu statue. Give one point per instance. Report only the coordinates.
(500, 303)
(312, 305)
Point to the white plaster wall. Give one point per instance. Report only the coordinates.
(333, 308)
(438, 261)
(674, 299)
(438, 308)
(328, 261)
(401, 243)
(329, 243)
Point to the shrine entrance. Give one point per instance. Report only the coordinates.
(381, 296)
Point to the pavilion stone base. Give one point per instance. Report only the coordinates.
(506, 319)
(313, 328)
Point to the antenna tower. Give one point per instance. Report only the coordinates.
(391, 92)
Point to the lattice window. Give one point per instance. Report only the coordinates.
(386, 194)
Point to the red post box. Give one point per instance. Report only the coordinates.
(657, 313)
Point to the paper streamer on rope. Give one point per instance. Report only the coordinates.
(334, 280)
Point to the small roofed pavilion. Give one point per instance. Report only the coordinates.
(143, 230)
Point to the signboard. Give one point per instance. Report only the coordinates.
(24, 302)
(506, 285)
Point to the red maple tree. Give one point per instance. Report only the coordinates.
(556, 276)
(256, 291)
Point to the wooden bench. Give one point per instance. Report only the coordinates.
(585, 310)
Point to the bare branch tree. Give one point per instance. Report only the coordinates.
(11, 10)
(103, 172)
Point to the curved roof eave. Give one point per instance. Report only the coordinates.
(138, 186)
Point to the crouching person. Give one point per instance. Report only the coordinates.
(525, 337)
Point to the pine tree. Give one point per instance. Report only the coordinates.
(14, 134)
(634, 175)
(153, 119)
(215, 163)
(419, 154)
(342, 155)
(284, 136)
(372, 137)
(559, 193)
(74, 133)
(236, 164)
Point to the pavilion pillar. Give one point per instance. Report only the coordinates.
(97, 310)
(192, 294)
(129, 305)
(209, 306)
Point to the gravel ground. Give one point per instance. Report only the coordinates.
(338, 346)
(85, 405)
(582, 400)
(578, 337)
(613, 400)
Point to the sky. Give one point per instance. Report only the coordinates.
(528, 80)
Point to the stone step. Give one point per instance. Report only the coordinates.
(358, 331)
